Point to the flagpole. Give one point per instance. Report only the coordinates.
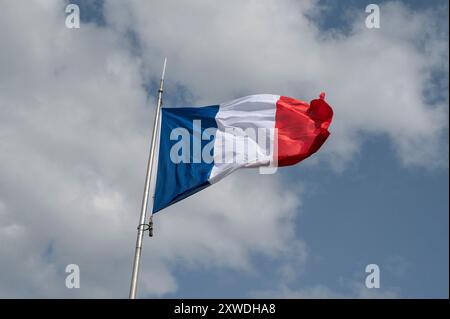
(141, 227)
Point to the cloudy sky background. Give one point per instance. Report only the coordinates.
(76, 108)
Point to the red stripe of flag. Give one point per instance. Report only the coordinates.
(301, 127)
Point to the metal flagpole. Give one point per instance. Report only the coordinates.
(141, 228)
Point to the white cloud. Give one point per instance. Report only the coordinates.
(75, 125)
(374, 79)
(74, 132)
(350, 288)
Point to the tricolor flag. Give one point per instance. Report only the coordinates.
(198, 146)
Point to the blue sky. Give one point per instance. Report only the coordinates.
(376, 211)
(377, 192)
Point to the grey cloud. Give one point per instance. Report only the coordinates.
(75, 122)
(375, 79)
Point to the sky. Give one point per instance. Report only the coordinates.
(76, 114)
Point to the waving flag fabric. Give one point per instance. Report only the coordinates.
(201, 145)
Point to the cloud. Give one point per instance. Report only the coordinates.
(355, 291)
(75, 125)
(374, 78)
(75, 119)
(346, 288)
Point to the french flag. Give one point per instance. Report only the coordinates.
(198, 146)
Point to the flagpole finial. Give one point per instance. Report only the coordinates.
(164, 68)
